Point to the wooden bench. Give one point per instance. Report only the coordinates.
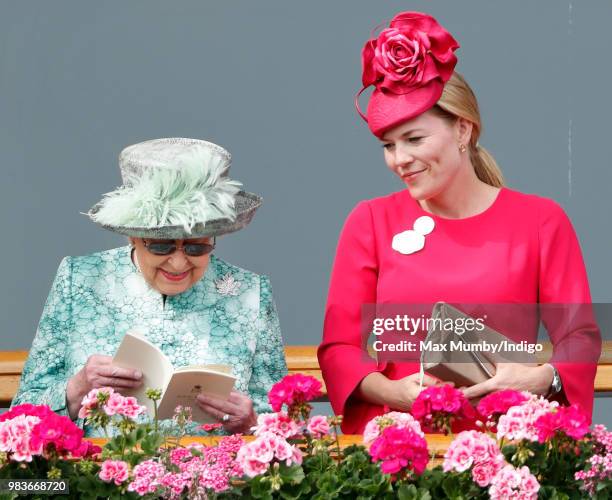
(300, 359)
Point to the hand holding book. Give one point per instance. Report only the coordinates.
(236, 413)
(179, 386)
(99, 371)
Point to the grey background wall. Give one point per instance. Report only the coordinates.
(273, 81)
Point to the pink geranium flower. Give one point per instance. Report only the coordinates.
(318, 426)
(176, 482)
(402, 420)
(211, 467)
(476, 451)
(123, 406)
(598, 468)
(147, 477)
(435, 407)
(221, 463)
(181, 455)
(110, 403)
(15, 437)
(40, 411)
(510, 484)
(277, 423)
(293, 389)
(603, 438)
(24, 435)
(87, 449)
(400, 449)
(115, 471)
(58, 431)
(255, 457)
(94, 399)
(568, 420)
(211, 427)
(519, 421)
(498, 403)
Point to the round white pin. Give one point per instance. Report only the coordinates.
(424, 225)
(413, 240)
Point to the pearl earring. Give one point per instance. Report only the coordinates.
(134, 259)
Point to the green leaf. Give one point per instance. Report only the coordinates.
(260, 488)
(407, 492)
(551, 493)
(116, 444)
(411, 492)
(131, 439)
(509, 450)
(454, 487)
(295, 491)
(140, 433)
(151, 443)
(87, 486)
(291, 474)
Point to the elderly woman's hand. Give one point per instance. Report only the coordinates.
(99, 371)
(236, 413)
(535, 379)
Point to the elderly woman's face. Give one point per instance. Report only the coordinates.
(174, 273)
(424, 153)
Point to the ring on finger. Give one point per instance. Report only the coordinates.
(225, 418)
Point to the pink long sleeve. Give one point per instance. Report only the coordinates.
(570, 323)
(353, 283)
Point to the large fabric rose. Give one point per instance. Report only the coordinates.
(411, 52)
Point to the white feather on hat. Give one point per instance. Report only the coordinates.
(193, 192)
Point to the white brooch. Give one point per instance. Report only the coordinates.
(227, 285)
(413, 240)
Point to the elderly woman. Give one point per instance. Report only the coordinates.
(198, 309)
(454, 234)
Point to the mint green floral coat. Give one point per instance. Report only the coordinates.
(228, 317)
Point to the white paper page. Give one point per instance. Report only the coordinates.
(138, 353)
(184, 386)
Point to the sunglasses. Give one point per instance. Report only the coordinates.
(169, 247)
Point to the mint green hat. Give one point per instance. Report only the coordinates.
(175, 188)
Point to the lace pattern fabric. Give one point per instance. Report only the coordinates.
(95, 299)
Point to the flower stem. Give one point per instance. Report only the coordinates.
(155, 417)
(336, 439)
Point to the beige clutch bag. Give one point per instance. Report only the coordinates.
(466, 357)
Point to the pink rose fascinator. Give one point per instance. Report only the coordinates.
(408, 64)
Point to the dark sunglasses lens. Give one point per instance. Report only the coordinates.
(198, 249)
(161, 248)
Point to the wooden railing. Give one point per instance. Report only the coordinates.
(11, 364)
(300, 359)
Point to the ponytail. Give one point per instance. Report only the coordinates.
(458, 101)
(485, 166)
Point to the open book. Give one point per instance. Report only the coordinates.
(179, 386)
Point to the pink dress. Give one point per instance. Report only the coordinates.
(522, 249)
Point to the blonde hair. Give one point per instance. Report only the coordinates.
(458, 101)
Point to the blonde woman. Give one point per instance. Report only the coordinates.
(455, 233)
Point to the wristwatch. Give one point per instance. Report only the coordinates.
(555, 386)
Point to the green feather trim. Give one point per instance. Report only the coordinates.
(194, 192)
